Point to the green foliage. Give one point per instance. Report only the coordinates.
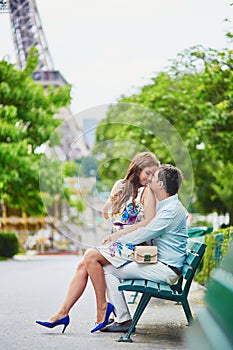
(195, 95)
(217, 243)
(78, 203)
(26, 122)
(9, 244)
(70, 169)
(50, 181)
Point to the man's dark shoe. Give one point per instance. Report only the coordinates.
(111, 320)
(121, 328)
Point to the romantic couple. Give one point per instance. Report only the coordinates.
(145, 209)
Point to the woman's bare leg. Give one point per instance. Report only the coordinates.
(75, 290)
(94, 265)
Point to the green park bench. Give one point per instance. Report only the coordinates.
(213, 327)
(177, 293)
(197, 233)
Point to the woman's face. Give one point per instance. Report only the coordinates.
(146, 174)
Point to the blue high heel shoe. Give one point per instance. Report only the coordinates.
(99, 326)
(64, 320)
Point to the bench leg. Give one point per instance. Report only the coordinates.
(134, 298)
(187, 311)
(145, 298)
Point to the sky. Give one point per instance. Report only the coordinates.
(109, 48)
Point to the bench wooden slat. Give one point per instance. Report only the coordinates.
(133, 285)
(126, 284)
(187, 271)
(195, 246)
(165, 290)
(152, 287)
(140, 283)
(192, 259)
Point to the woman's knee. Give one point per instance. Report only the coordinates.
(90, 255)
(93, 256)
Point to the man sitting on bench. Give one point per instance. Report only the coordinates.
(168, 231)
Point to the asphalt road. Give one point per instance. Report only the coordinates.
(33, 288)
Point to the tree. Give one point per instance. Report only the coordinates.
(194, 94)
(26, 122)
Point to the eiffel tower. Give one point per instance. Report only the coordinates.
(28, 32)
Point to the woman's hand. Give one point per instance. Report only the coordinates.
(111, 238)
(105, 215)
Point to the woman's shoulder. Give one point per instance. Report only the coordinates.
(118, 182)
(116, 186)
(147, 193)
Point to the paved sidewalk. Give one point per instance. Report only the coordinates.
(33, 287)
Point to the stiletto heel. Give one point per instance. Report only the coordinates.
(63, 321)
(110, 309)
(64, 328)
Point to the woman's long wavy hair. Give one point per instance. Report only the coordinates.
(131, 184)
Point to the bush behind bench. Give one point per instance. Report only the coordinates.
(217, 244)
(9, 244)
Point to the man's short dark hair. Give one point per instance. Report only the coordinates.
(171, 178)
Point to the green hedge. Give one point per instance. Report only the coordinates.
(217, 244)
(9, 244)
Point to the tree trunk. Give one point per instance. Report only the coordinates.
(231, 217)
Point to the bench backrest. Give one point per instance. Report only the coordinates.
(195, 252)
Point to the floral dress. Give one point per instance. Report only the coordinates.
(129, 214)
(116, 253)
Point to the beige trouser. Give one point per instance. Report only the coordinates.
(158, 272)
